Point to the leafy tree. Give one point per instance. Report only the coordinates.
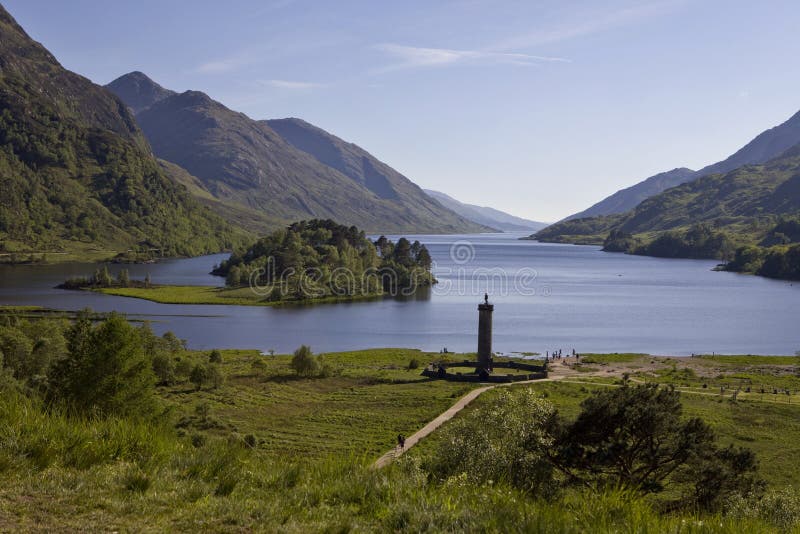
(164, 369)
(173, 343)
(504, 441)
(214, 376)
(106, 370)
(183, 368)
(123, 278)
(635, 436)
(304, 362)
(215, 356)
(199, 376)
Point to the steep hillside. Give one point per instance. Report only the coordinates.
(742, 205)
(76, 173)
(628, 198)
(368, 171)
(247, 164)
(766, 146)
(485, 215)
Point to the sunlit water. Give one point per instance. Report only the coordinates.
(546, 297)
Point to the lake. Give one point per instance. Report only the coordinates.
(546, 297)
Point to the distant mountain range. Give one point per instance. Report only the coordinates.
(742, 199)
(487, 216)
(76, 173)
(766, 146)
(261, 172)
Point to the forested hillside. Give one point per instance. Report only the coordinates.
(75, 171)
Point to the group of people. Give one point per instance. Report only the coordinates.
(557, 355)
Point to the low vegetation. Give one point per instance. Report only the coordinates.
(232, 440)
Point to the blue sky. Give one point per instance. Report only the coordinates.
(539, 108)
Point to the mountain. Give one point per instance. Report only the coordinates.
(485, 215)
(766, 146)
(76, 173)
(247, 164)
(138, 91)
(744, 204)
(628, 198)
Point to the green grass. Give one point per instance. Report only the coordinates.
(309, 469)
(750, 359)
(370, 398)
(612, 358)
(240, 296)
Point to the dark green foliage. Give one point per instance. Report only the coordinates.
(781, 262)
(785, 232)
(304, 362)
(215, 356)
(747, 259)
(199, 376)
(320, 258)
(619, 241)
(214, 376)
(75, 169)
(635, 436)
(164, 369)
(106, 371)
(28, 348)
(699, 241)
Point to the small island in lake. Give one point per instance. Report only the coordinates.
(308, 262)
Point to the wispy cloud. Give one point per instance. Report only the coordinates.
(292, 84)
(513, 50)
(414, 56)
(590, 24)
(221, 66)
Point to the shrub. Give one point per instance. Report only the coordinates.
(304, 362)
(215, 356)
(199, 376)
(518, 437)
(413, 364)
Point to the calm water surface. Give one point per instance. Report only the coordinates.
(546, 296)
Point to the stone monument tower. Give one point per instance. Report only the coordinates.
(485, 335)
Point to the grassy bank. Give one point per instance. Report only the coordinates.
(238, 296)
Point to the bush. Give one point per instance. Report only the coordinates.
(198, 376)
(413, 364)
(164, 368)
(304, 363)
(215, 356)
(518, 437)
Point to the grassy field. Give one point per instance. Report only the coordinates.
(240, 296)
(369, 398)
(269, 451)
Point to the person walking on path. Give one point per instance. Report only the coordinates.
(401, 441)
